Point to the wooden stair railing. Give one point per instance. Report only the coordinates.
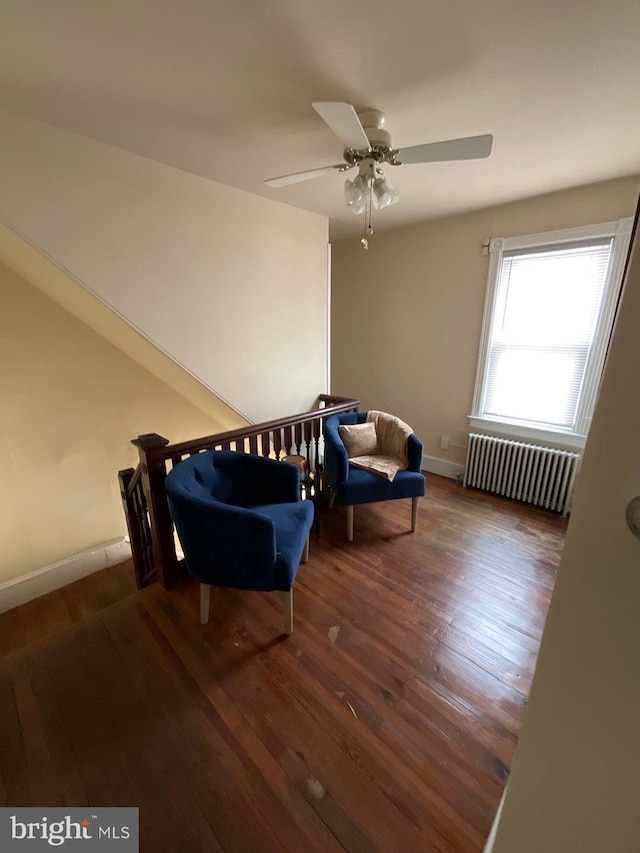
(142, 489)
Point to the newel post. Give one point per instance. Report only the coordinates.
(154, 470)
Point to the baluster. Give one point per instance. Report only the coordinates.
(288, 440)
(253, 445)
(145, 531)
(265, 444)
(316, 437)
(239, 445)
(307, 440)
(298, 435)
(133, 524)
(277, 442)
(319, 462)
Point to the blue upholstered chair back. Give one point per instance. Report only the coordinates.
(236, 479)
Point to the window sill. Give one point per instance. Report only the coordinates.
(517, 431)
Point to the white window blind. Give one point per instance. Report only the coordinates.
(547, 306)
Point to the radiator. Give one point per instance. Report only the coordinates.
(541, 476)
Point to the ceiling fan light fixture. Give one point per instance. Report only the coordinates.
(370, 190)
(384, 194)
(355, 193)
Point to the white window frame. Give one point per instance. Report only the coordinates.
(620, 231)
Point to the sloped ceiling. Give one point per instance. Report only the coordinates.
(224, 89)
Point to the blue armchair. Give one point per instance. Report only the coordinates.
(352, 485)
(240, 522)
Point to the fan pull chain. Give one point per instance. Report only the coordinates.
(368, 230)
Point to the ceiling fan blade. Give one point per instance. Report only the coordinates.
(344, 122)
(296, 177)
(468, 148)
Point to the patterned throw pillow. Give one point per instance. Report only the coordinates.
(359, 439)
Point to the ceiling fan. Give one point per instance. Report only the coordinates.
(367, 146)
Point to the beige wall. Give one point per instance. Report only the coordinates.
(58, 284)
(575, 782)
(231, 285)
(406, 315)
(69, 404)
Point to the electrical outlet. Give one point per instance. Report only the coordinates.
(444, 443)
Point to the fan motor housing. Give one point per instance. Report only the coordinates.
(373, 123)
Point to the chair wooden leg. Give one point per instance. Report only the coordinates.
(332, 498)
(414, 513)
(305, 553)
(288, 611)
(205, 596)
(350, 523)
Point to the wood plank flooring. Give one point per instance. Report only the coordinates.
(386, 722)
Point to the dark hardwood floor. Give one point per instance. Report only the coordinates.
(386, 722)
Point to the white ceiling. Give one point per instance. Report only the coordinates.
(224, 89)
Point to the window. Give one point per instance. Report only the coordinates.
(549, 312)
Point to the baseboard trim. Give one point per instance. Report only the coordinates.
(21, 590)
(491, 840)
(435, 465)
